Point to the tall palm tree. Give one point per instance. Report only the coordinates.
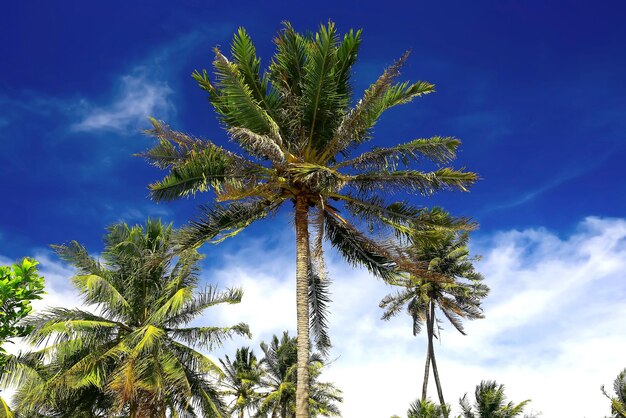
(491, 403)
(241, 380)
(618, 402)
(457, 290)
(133, 344)
(280, 378)
(296, 123)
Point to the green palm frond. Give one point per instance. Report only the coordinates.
(360, 250)
(210, 337)
(248, 64)
(221, 222)
(438, 149)
(101, 291)
(236, 102)
(424, 183)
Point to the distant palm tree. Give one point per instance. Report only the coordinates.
(280, 378)
(455, 289)
(297, 124)
(491, 403)
(426, 409)
(132, 346)
(618, 402)
(241, 380)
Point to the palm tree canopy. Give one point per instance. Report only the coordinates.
(133, 343)
(457, 288)
(241, 380)
(297, 122)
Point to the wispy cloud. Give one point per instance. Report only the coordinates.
(553, 332)
(140, 96)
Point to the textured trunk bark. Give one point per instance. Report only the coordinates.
(302, 305)
(432, 358)
(241, 414)
(427, 366)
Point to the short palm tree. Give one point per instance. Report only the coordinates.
(133, 346)
(299, 128)
(35, 398)
(618, 402)
(491, 403)
(456, 289)
(241, 381)
(280, 378)
(424, 408)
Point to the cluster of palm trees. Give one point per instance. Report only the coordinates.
(298, 126)
(267, 387)
(490, 402)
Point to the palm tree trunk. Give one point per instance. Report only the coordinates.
(427, 366)
(241, 413)
(432, 358)
(302, 305)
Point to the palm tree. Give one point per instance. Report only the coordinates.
(36, 398)
(296, 122)
(424, 408)
(456, 290)
(280, 378)
(132, 345)
(241, 380)
(491, 403)
(618, 403)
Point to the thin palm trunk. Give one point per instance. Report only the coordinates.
(241, 413)
(302, 305)
(427, 366)
(431, 350)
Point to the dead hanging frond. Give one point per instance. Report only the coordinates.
(319, 284)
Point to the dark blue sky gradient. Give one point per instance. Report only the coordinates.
(535, 90)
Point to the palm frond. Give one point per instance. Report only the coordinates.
(424, 183)
(357, 249)
(210, 337)
(438, 149)
(211, 296)
(221, 222)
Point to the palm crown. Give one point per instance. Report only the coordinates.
(135, 344)
(296, 123)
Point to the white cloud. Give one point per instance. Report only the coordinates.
(554, 328)
(140, 96)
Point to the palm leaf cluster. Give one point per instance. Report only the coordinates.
(267, 387)
(296, 125)
(132, 353)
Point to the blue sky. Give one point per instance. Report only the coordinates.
(534, 89)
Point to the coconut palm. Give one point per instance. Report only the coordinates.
(491, 403)
(241, 380)
(296, 123)
(280, 378)
(618, 402)
(425, 408)
(132, 344)
(37, 399)
(456, 292)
